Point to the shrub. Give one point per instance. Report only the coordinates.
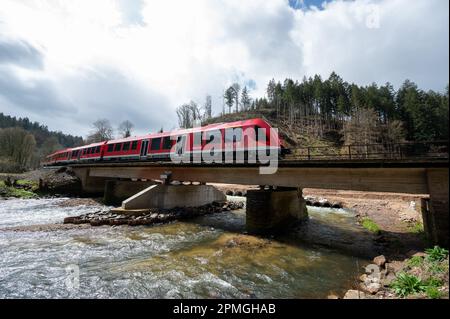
(406, 284)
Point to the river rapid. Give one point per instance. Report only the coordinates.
(206, 257)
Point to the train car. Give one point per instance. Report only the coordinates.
(89, 153)
(126, 149)
(58, 158)
(239, 138)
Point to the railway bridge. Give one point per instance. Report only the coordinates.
(270, 208)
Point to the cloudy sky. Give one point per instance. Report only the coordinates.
(68, 63)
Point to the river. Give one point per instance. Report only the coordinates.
(207, 257)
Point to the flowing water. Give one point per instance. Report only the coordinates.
(207, 257)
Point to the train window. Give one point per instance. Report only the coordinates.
(167, 143)
(126, 146)
(97, 150)
(156, 144)
(257, 128)
(233, 135)
(118, 147)
(134, 145)
(110, 147)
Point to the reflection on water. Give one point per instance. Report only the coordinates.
(209, 257)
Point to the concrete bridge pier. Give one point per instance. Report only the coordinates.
(90, 185)
(435, 212)
(270, 210)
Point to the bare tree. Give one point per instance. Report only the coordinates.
(208, 108)
(125, 128)
(188, 114)
(237, 88)
(18, 146)
(49, 146)
(102, 131)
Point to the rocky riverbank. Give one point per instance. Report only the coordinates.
(425, 275)
(40, 183)
(151, 216)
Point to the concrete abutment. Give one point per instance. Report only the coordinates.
(171, 196)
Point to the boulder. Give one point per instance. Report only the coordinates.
(332, 297)
(379, 260)
(393, 267)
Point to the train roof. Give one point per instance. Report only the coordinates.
(213, 126)
(129, 139)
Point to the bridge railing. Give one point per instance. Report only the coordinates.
(406, 150)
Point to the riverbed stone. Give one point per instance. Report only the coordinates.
(354, 294)
(393, 267)
(363, 277)
(380, 260)
(373, 288)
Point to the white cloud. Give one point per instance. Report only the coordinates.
(108, 58)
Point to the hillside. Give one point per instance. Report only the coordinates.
(40, 132)
(23, 143)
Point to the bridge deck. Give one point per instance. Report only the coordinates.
(357, 163)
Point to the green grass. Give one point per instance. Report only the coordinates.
(416, 228)
(436, 253)
(436, 268)
(370, 225)
(406, 284)
(416, 261)
(18, 192)
(430, 275)
(433, 293)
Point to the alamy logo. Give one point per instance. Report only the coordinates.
(232, 145)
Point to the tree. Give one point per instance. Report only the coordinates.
(102, 131)
(208, 107)
(362, 128)
(125, 128)
(18, 146)
(229, 98)
(245, 99)
(236, 88)
(50, 146)
(271, 91)
(188, 114)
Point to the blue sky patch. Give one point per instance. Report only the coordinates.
(305, 4)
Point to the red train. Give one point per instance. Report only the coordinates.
(235, 136)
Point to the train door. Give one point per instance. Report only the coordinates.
(181, 145)
(144, 149)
